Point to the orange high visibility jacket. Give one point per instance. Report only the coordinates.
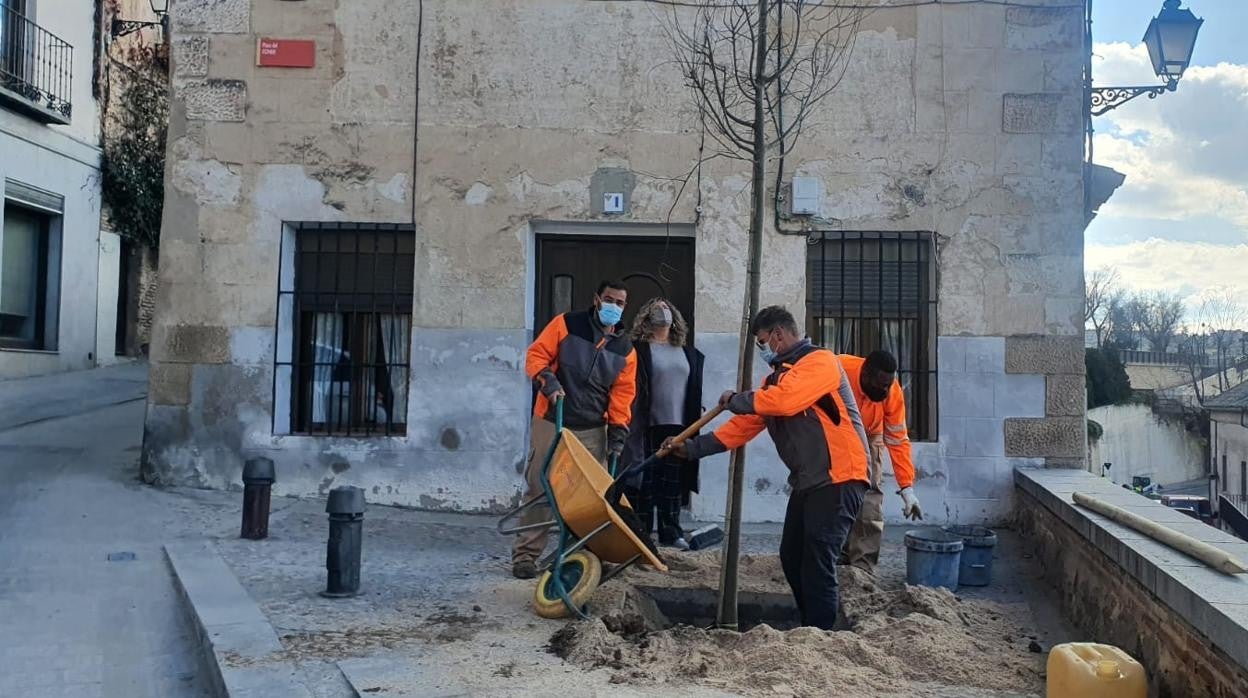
(597, 371)
(887, 419)
(808, 408)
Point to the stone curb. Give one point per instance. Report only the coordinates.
(235, 638)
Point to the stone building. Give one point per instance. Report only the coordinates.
(359, 244)
(58, 280)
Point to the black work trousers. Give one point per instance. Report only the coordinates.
(815, 526)
(660, 492)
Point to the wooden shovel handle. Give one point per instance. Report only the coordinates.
(693, 428)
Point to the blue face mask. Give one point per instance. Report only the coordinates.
(609, 314)
(767, 354)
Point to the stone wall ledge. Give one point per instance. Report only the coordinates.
(1213, 603)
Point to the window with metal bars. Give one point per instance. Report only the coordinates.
(347, 290)
(877, 290)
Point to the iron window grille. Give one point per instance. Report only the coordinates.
(350, 303)
(877, 290)
(35, 65)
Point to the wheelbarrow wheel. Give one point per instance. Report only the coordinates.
(581, 573)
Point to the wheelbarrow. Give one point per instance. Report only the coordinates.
(592, 516)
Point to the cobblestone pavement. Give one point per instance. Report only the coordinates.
(440, 615)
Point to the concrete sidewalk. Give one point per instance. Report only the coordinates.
(25, 401)
(88, 602)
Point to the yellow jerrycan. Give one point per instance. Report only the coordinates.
(1091, 670)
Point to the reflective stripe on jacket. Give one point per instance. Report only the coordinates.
(886, 419)
(596, 370)
(808, 408)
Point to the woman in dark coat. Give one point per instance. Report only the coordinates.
(669, 399)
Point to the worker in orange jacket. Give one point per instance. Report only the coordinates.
(588, 361)
(807, 406)
(883, 408)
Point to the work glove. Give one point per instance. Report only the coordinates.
(910, 504)
(737, 403)
(616, 436)
(549, 385)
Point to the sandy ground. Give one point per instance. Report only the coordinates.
(900, 639)
(440, 615)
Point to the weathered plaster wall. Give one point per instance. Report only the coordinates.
(107, 286)
(1139, 442)
(962, 121)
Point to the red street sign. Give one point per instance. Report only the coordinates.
(286, 53)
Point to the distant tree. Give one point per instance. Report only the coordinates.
(1100, 296)
(1156, 317)
(1120, 329)
(1107, 380)
(1223, 314)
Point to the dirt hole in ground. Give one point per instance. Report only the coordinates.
(650, 628)
(698, 606)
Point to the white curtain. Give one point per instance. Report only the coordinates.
(396, 334)
(897, 338)
(839, 335)
(326, 393)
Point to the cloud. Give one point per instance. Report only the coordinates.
(1190, 268)
(1185, 153)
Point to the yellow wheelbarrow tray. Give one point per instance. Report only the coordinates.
(591, 527)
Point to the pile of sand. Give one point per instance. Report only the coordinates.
(899, 638)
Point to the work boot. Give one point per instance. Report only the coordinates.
(524, 569)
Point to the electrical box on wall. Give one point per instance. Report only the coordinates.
(806, 196)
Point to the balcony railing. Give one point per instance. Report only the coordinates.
(35, 69)
(1130, 356)
(1233, 508)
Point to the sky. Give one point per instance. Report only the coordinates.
(1180, 221)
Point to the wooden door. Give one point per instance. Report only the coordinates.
(570, 267)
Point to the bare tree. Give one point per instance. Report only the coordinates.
(1100, 295)
(757, 70)
(1157, 316)
(1223, 314)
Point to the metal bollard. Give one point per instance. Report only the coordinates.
(346, 531)
(257, 485)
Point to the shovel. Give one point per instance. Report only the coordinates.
(613, 494)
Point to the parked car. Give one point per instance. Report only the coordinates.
(1195, 506)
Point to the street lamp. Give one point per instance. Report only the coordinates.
(1170, 38)
(160, 8)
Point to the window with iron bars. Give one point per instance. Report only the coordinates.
(347, 294)
(877, 290)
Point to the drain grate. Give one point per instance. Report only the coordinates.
(120, 557)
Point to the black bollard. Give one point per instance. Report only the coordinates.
(346, 533)
(257, 485)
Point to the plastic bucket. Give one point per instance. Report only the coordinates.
(932, 557)
(978, 544)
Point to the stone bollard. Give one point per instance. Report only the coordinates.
(257, 487)
(346, 531)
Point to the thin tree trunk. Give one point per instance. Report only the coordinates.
(727, 612)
